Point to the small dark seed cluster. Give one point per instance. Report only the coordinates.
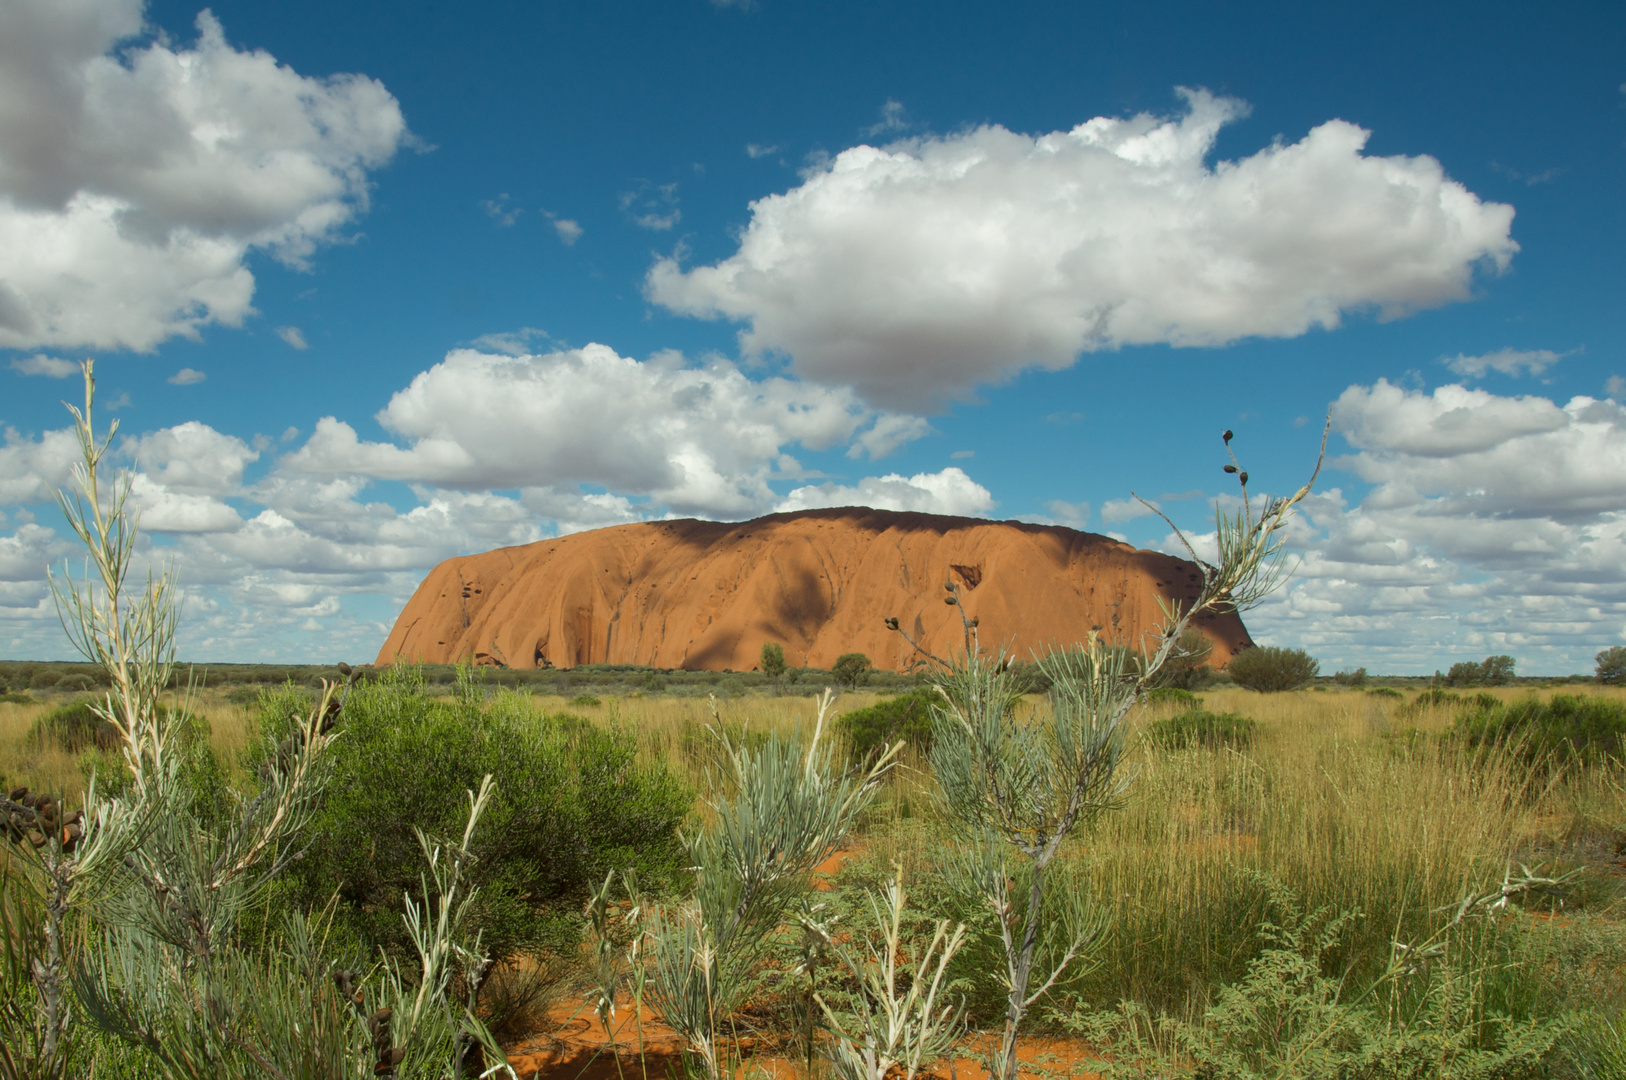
(378, 1026)
(37, 818)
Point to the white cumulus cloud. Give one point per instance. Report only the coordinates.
(698, 440)
(948, 492)
(52, 367)
(1507, 361)
(135, 182)
(569, 230)
(916, 270)
(192, 458)
(31, 470)
(1494, 525)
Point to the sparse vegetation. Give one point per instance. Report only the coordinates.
(1294, 885)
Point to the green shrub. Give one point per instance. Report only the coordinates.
(1271, 670)
(15, 697)
(571, 803)
(1385, 691)
(1351, 678)
(907, 717)
(773, 660)
(1201, 728)
(1612, 665)
(1166, 695)
(1187, 666)
(74, 728)
(582, 701)
(1028, 678)
(850, 669)
(1492, 671)
(1565, 726)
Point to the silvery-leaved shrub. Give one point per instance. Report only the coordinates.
(777, 809)
(125, 913)
(1020, 783)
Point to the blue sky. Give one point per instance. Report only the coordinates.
(371, 286)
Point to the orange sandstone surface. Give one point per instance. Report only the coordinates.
(705, 595)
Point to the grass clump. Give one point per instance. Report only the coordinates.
(1198, 727)
(1292, 1014)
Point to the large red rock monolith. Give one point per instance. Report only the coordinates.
(708, 595)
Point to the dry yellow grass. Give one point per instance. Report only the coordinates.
(44, 766)
(1342, 796)
(1349, 797)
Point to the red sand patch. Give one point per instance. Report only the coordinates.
(580, 1049)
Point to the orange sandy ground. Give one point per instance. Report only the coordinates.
(578, 1049)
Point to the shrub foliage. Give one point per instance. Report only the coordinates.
(570, 804)
(1612, 665)
(1201, 728)
(850, 669)
(1271, 670)
(1565, 726)
(907, 717)
(1491, 671)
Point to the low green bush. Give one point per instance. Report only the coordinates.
(72, 727)
(1271, 670)
(1293, 1015)
(582, 701)
(1432, 698)
(1565, 727)
(15, 697)
(572, 803)
(907, 717)
(1385, 691)
(1175, 695)
(1201, 728)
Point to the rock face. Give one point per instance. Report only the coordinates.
(708, 595)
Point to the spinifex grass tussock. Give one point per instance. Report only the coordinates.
(1350, 822)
